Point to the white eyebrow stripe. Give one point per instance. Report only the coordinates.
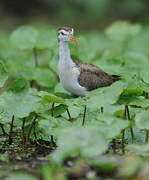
(65, 32)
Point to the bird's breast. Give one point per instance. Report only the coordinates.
(69, 80)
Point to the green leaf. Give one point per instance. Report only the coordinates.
(50, 98)
(132, 92)
(51, 126)
(44, 77)
(107, 122)
(53, 171)
(122, 30)
(145, 75)
(3, 75)
(142, 120)
(105, 96)
(18, 176)
(60, 109)
(47, 39)
(88, 142)
(139, 149)
(106, 163)
(130, 166)
(19, 85)
(19, 104)
(59, 88)
(24, 38)
(133, 101)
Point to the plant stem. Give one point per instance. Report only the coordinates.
(84, 116)
(35, 135)
(52, 110)
(129, 118)
(52, 139)
(146, 95)
(101, 109)
(114, 145)
(70, 118)
(35, 57)
(10, 140)
(24, 139)
(123, 141)
(146, 136)
(3, 130)
(31, 127)
(123, 133)
(52, 114)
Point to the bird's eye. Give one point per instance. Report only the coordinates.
(62, 33)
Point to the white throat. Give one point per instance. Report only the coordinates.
(64, 55)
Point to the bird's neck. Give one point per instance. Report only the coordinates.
(64, 55)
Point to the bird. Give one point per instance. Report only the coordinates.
(77, 77)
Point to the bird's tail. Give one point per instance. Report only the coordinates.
(116, 77)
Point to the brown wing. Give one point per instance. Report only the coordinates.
(93, 77)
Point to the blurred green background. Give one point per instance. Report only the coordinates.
(83, 14)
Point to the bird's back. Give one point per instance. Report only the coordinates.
(91, 77)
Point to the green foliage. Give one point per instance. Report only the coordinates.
(46, 113)
(141, 120)
(122, 30)
(3, 74)
(105, 96)
(83, 143)
(142, 150)
(23, 176)
(19, 100)
(48, 98)
(24, 38)
(19, 85)
(107, 122)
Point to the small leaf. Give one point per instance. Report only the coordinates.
(60, 109)
(19, 85)
(50, 98)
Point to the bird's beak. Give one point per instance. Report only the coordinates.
(72, 39)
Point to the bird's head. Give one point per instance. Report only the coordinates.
(66, 34)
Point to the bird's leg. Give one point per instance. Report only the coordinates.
(84, 116)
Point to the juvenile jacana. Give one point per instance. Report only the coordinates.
(77, 77)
